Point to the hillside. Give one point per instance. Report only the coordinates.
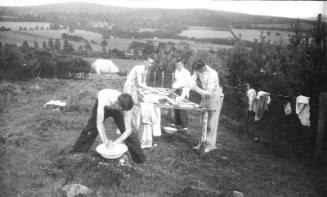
(184, 17)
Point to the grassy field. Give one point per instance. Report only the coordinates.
(252, 34)
(17, 37)
(283, 26)
(35, 158)
(204, 33)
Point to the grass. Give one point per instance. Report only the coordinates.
(35, 159)
(206, 33)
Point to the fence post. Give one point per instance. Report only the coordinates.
(321, 127)
(162, 79)
(245, 125)
(154, 78)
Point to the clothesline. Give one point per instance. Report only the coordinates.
(271, 94)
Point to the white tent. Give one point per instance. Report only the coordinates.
(104, 66)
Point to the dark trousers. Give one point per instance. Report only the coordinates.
(181, 118)
(90, 132)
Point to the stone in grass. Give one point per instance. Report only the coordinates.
(77, 190)
(237, 194)
(192, 191)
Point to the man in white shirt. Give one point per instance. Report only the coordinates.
(110, 103)
(181, 79)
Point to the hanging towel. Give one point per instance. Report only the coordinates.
(260, 104)
(302, 109)
(287, 109)
(251, 93)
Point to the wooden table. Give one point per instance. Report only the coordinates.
(204, 112)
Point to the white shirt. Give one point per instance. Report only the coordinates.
(182, 78)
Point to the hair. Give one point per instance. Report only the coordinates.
(125, 101)
(180, 60)
(198, 64)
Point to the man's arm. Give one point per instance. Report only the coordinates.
(139, 80)
(123, 119)
(100, 120)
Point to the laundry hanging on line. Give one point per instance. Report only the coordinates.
(287, 109)
(302, 109)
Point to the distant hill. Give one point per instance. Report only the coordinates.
(184, 17)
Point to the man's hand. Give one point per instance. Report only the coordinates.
(109, 145)
(179, 98)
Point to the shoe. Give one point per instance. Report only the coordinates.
(197, 147)
(209, 149)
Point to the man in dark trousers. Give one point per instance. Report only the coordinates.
(181, 78)
(110, 103)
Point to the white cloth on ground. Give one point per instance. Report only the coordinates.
(251, 93)
(55, 103)
(302, 109)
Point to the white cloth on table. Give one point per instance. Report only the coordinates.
(150, 120)
(302, 109)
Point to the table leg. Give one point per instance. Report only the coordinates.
(203, 140)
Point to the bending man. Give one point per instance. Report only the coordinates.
(110, 103)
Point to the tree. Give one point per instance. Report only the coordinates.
(66, 48)
(297, 37)
(57, 45)
(104, 43)
(24, 47)
(36, 44)
(44, 45)
(87, 46)
(50, 44)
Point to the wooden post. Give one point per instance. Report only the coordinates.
(321, 127)
(245, 124)
(162, 79)
(154, 78)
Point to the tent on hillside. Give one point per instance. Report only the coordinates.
(104, 66)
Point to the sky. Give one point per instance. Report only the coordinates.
(293, 9)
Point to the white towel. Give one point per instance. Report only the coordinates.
(302, 109)
(288, 108)
(57, 103)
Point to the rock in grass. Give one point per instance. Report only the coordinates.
(77, 190)
(237, 194)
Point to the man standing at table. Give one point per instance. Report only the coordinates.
(181, 78)
(212, 98)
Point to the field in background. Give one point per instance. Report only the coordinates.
(285, 26)
(273, 35)
(17, 37)
(35, 145)
(193, 45)
(190, 33)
